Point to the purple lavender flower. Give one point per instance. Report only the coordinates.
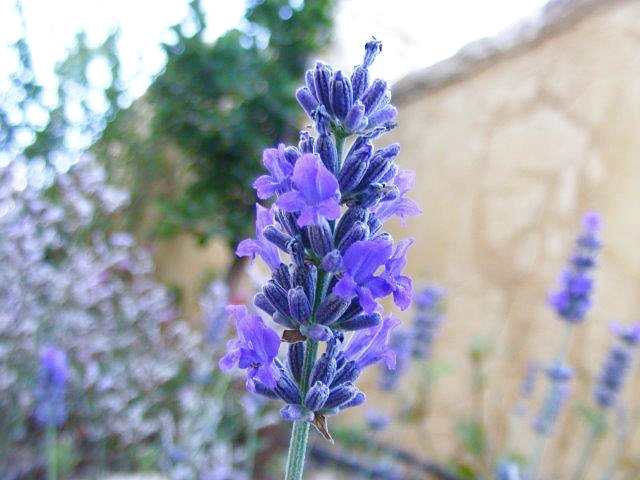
(559, 376)
(377, 421)
(255, 350)
(508, 471)
(260, 245)
(316, 193)
(573, 300)
(51, 410)
(427, 320)
(327, 216)
(280, 170)
(616, 366)
(361, 261)
(401, 206)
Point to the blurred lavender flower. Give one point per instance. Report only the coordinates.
(401, 343)
(377, 421)
(428, 319)
(341, 261)
(212, 309)
(53, 376)
(572, 301)
(559, 376)
(616, 366)
(508, 471)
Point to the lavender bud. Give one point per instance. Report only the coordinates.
(332, 261)
(261, 301)
(263, 390)
(375, 224)
(299, 304)
(284, 320)
(331, 308)
(360, 322)
(355, 165)
(305, 276)
(383, 116)
(306, 142)
(374, 96)
(356, 117)
(316, 396)
(282, 276)
(296, 359)
(288, 221)
(359, 231)
(287, 389)
(341, 95)
(391, 174)
(324, 369)
(348, 373)
(278, 238)
(307, 101)
(277, 296)
(326, 148)
(371, 50)
(320, 238)
(341, 395)
(359, 81)
(297, 252)
(292, 154)
(352, 310)
(352, 215)
(322, 81)
(358, 399)
(310, 82)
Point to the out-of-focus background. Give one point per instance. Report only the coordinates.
(130, 134)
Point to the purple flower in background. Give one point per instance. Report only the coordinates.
(572, 300)
(261, 246)
(559, 376)
(316, 192)
(616, 366)
(53, 375)
(400, 206)
(214, 316)
(402, 345)
(255, 349)
(428, 319)
(377, 421)
(280, 170)
(361, 261)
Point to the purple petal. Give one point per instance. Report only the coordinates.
(367, 302)
(363, 258)
(265, 187)
(346, 287)
(403, 292)
(291, 202)
(329, 209)
(308, 216)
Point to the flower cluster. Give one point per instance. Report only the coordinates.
(417, 340)
(51, 389)
(92, 293)
(559, 376)
(327, 216)
(616, 366)
(572, 301)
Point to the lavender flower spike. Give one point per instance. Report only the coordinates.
(573, 299)
(616, 366)
(255, 350)
(329, 207)
(52, 383)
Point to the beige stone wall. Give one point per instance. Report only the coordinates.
(507, 161)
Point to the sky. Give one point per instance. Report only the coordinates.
(416, 33)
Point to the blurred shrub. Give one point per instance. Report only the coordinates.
(143, 384)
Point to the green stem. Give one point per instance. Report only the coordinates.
(52, 467)
(297, 450)
(300, 430)
(585, 456)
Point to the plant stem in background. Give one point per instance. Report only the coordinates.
(50, 448)
(587, 452)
